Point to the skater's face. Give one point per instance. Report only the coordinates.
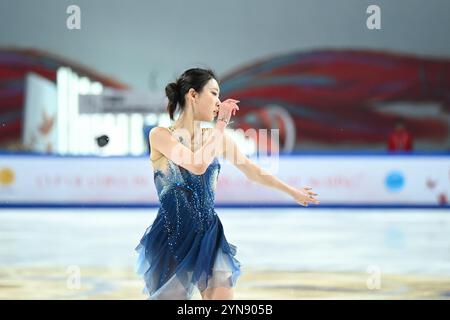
(207, 102)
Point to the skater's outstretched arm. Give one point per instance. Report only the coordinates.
(255, 173)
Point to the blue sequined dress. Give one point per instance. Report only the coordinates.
(185, 247)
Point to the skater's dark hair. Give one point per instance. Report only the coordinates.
(194, 78)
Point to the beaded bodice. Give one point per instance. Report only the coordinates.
(183, 192)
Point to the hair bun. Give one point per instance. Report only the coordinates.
(172, 92)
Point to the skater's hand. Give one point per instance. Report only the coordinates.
(227, 108)
(304, 196)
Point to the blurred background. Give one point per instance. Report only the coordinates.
(355, 95)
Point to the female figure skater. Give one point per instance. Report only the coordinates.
(185, 247)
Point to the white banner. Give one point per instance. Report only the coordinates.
(40, 114)
(339, 180)
(348, 180)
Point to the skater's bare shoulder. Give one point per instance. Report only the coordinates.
(162, 140)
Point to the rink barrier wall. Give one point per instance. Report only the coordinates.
(360, 180)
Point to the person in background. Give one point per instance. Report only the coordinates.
(400, 139)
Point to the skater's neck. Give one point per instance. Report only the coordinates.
(186, 121)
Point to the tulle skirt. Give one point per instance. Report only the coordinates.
(172, 266)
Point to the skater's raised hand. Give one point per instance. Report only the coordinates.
(304, 196)
(226, 109)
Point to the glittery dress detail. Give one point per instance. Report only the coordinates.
(185, 247)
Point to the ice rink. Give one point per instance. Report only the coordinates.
(306, 251)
